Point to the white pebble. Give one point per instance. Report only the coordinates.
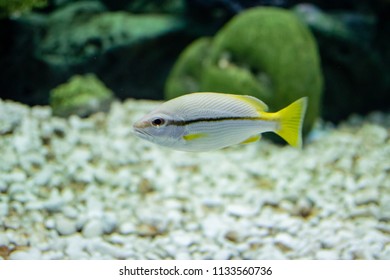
(4, 240)
(3, 209)
(285, 240)
(127, 228)
(110, 222)
(222, 255)
(240, 210)
(327, 255)
(182, 238)
(75, 248)
(3, 186)
(31, 254)
(93, 228)
(66, 226)
(181, 255)
(213, 226)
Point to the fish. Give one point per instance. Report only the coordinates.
(206, 121)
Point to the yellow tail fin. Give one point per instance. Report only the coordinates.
(291, 120)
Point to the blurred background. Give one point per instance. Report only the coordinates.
(142, 49)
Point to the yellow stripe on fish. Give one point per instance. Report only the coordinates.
(206, 121)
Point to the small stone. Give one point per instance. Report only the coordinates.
(327, 255)
(285, 241)
(147, 230)
(53, 255)
(183, 239)
(3, 209)
(222, 255)
(384, 213)
(50, 223)
(70, 212)
(55, 202)
(213, 226)
(127, 228)
(183, 256)
(16, 188)
(31, 254)
(3, 186)
(212, 202)
(42, 178)
(75, 248)
(4, 240)
(232, 236)
(110, 222)
(375, 134)
(367, 196)
(239, 210)
(66, 226)
(93, 228)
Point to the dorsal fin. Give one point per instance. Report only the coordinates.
(253, 101)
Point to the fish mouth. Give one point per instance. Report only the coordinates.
(141, 133)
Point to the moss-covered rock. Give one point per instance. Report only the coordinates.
(84, 30)
(10, 7)
(188, 69)
(265, 52)
(81, 95)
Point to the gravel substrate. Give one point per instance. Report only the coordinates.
(89, 189)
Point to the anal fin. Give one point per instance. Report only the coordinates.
(252, 139)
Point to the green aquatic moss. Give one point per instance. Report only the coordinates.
(9, 7)
(81, 95)
(265, 52)
(187, 73)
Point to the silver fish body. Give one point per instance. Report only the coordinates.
(208, 121)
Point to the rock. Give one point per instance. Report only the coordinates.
(367, 196)
(213, 227)
(222, 255)
(70, 212)
(82, 96)
(10, 8)
(127, 228)
(11, 115)
(30, 254)
(246, 57)
(75, 248)
(188, 69)
(93, 228)
(240, 210)
(3, 209)
(285, 241)
(55, 202)
(66, 226)
(327, 255)
(3, 186)
(374, 134)
(83, 36)
(183, 256)
(109, 222)
(183, 239)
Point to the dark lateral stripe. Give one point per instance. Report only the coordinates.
(187, 122)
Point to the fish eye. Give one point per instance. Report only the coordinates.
(158, 122)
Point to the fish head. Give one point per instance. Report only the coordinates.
(161, 128)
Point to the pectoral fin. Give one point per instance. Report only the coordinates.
(193, 136)
(252, 139)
